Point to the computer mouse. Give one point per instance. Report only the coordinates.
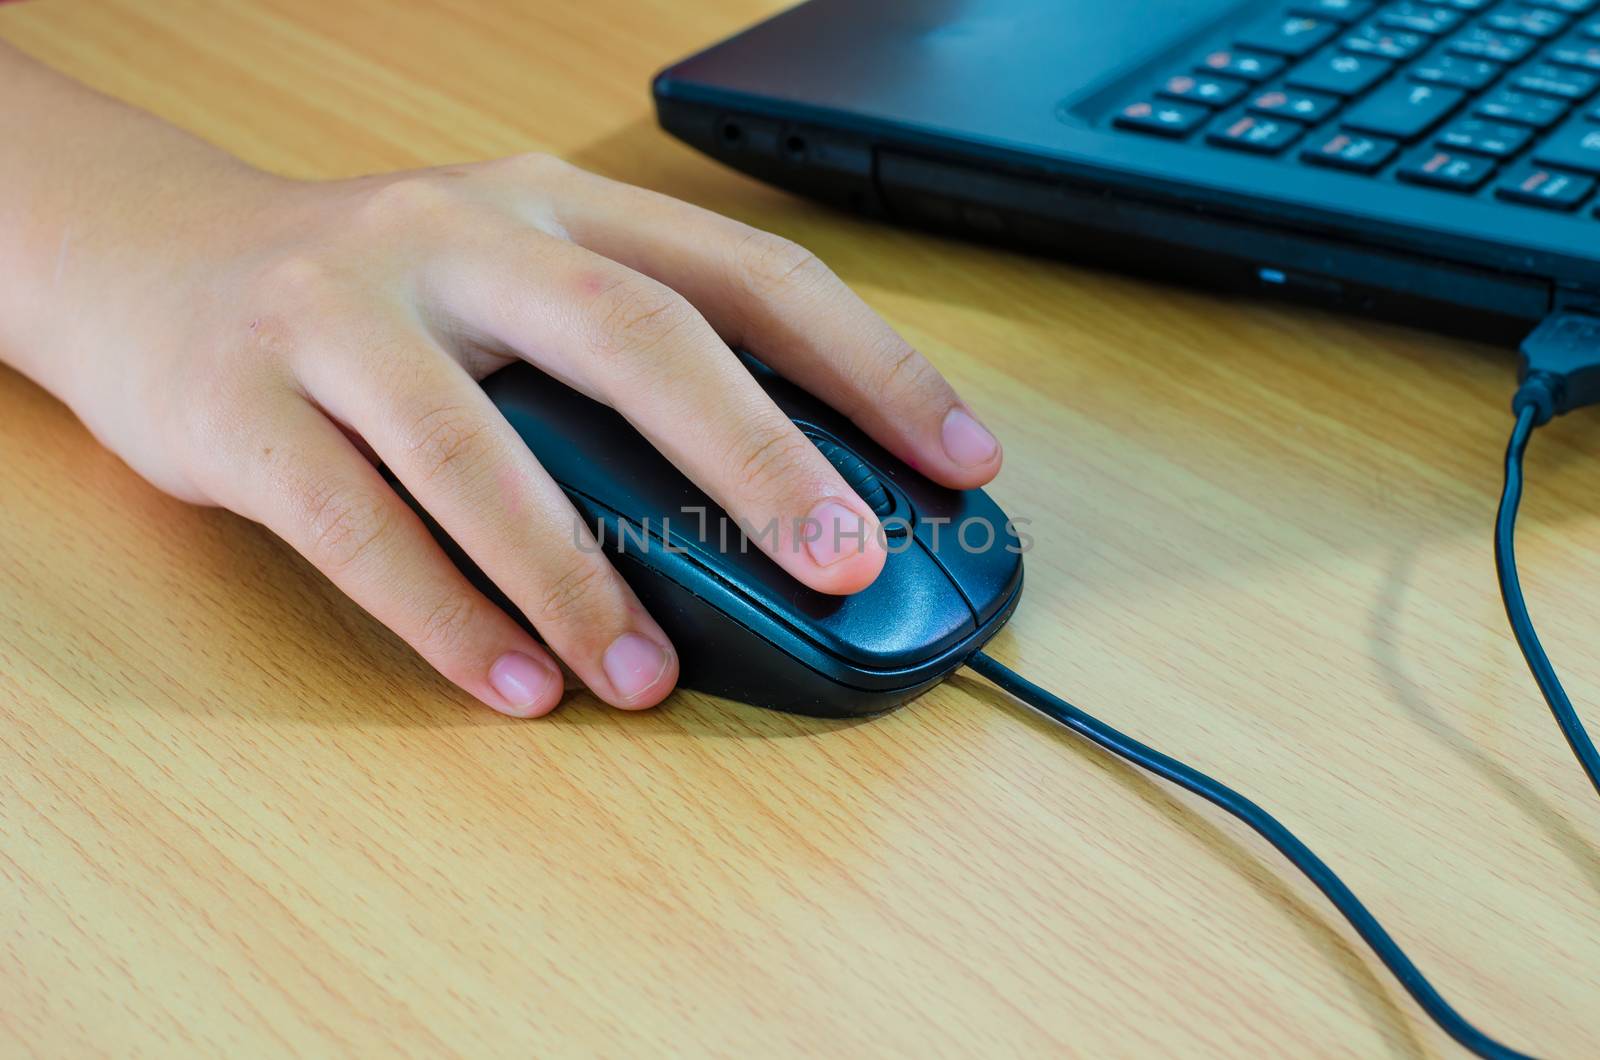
(744, 628)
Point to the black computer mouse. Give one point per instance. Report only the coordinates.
(744, 628)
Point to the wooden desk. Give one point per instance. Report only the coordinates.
(238, 818)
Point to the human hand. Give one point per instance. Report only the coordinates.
(291, 332)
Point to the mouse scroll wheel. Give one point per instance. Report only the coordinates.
(854, 471)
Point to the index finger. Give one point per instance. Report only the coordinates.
(779, 301)
(638, 346)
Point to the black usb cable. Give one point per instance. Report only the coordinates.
(1269, 828)
(1560, 373)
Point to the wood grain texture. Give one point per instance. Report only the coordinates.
(237, 817)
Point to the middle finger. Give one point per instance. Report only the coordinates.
(638, 346)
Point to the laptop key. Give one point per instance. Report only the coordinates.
(1524, 108)
(1493, 138)
(1403, 110)
(1203, 88)
(1162, 117)
(1530, 21)
(1251, 66)
(1480, 42)
(1309, 107)
(1441, 168)
(1583, 57)
(1339, 74)
(1536, 185)
(1548, 79)
(1255, 133)
(1570, 7)
(1457, 71)
(1353, 151)
(1374, 39)
(1466, 5)
(1418, 17)
(1576, 147)
(1336, 10)
(1291, 35)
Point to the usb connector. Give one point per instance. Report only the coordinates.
(1560, 367)
(1560, 373)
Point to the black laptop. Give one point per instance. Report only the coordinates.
(1431, 161)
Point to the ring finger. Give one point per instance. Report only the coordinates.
(452, 450)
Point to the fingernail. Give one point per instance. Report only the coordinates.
(522, 680)
(833, 532)
(633, 663)
(965, 439)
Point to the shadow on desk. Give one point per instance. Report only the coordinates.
(1414, 698)
(258, 579)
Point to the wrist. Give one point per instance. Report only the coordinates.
(98, 265)
(105, 210)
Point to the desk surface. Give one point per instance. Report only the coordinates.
(236, 815)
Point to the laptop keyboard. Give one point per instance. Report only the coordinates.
(1484, 97)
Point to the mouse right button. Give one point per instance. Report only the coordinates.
(977, 545)
(910, 614)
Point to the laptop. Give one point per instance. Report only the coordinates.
(1433, 162)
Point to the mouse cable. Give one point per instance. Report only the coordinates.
(1560, 372)
(1268, 827)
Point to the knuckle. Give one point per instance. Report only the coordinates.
(893, 373)
(541, 164)
(768, 263)
(446, 630)
(444, 439)
(762, 454)
(288, 286)
(575, 597)
(405, 200)
(342, 527)
(901, 368)
(290, 300)
(635, 316)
